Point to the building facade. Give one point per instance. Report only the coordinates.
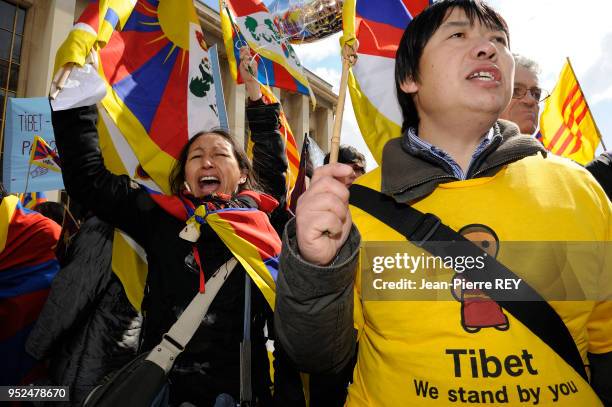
(32, 30)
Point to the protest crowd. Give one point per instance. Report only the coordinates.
(472, 266)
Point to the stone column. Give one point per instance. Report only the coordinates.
(325, 123)
(235, 103)
(48, 23)
(298, 114)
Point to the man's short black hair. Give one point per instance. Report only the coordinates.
(348, 155)
(417, 35)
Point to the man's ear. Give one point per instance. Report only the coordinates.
(409, 85)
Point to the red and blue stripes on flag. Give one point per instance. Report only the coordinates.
(381, 24)
(142, 54)
(379, 27)
(27, 268)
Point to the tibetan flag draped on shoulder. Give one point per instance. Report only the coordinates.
(247, 232)
(30, 199)
(160, 92)
(248, 22)
(27, 267)
(567, 127)
(378, 26)
(44, 156)
(251, 238)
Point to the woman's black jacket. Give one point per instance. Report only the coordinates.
(87, 328)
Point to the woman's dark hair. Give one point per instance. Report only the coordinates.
(177, 175)
(417, 35)
(3, 192)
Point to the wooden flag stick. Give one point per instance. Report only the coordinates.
(62, 76)
(349, 57)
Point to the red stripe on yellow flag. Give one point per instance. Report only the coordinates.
(291, 149)
(566, 124)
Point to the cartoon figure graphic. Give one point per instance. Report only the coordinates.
(477, 309)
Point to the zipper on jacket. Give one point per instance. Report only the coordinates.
(404, 189)
(495, 143)
(503, 162)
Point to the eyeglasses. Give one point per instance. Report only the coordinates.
(538, 94)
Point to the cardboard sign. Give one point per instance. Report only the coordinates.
(25, 119)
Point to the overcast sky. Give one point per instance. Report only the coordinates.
(545, 30)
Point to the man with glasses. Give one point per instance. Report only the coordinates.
(524, 105)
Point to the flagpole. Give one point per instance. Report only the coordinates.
(587, 105)
(349, 57)
(34, 143)
(62, 77)
(27, 177)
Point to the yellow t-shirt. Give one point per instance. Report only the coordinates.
(428, 353)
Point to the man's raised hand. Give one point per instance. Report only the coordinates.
(323, 220)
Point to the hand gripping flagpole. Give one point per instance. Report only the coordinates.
(349, 57)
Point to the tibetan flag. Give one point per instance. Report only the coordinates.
(44, 156)
(378, 26)
(250, 237)
(247, 233)
(291, 149)
(160, 86)
(567, 127)
(30, 199)
(300, 184)
(160, 92)
(93, 29)
(27, 267)
(248, 22)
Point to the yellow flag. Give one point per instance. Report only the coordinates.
(566, 124)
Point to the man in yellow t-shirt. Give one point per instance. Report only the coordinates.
(447, 342)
